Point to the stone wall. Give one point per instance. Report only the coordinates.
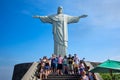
(20, 70)
(94, 64)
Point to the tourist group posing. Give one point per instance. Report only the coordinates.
(64, 65)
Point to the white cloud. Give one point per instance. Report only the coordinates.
(104, 13)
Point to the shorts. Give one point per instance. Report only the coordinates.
(47, 67)
(42, 70)
(81, 69)
(70, 66)
(75, 65)
(65, 65)
(53, 65)
(59, 66)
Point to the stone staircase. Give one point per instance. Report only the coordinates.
(63, 77)
(32, 71)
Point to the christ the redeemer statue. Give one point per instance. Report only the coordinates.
(60, 29)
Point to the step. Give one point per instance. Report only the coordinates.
(63, 77)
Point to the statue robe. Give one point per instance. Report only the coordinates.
(60, 30)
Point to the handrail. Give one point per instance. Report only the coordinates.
(31, 73)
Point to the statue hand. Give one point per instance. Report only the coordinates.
(36, 16)
(83, 16)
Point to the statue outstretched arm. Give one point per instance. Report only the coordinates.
(73, 19)
(44, 19)
(83, 16)
(36, 16)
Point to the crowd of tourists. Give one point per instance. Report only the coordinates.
(59, 65)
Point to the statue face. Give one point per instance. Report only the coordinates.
(60, 10)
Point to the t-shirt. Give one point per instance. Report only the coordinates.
(81, 65)
(47, 63)
(54, 60)
(76, 60)
(65, 61)
(60, 60)
(70, 60)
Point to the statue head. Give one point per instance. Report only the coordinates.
(60, 8)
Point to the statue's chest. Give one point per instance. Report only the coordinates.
(59, 18)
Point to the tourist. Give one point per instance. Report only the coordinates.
(81, 67)
(47, 67)
(59, 66)
(54, 63)
(84, 76)
(42, 73)
(87, 68)
(70, 64)
(76, 62)
(42, 68)
(44, 59)
(92, 76)
(65, 66)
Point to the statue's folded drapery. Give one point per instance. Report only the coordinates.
(60, 30)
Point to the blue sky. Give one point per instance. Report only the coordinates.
(24, 39)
